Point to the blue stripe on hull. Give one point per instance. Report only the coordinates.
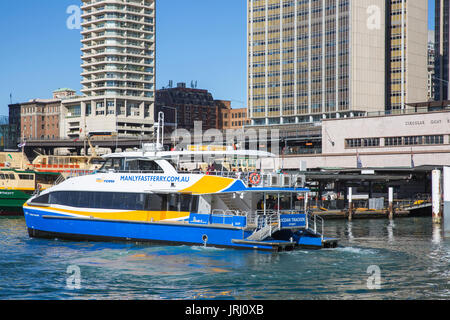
(88, 229)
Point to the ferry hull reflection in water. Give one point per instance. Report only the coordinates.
(141, 197)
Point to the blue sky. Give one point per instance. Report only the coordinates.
(202, 40)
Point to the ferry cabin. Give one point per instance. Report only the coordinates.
(45, 163)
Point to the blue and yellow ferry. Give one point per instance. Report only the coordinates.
(144, 197)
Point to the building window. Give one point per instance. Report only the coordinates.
(353, 143)
(434, 139)
(371, 142)
(393, 141)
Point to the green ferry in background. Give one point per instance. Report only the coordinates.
(18, 182)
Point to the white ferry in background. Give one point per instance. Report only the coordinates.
(147, 196)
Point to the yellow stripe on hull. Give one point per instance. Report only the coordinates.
(138, 216)
(208, 185)
(19, 189)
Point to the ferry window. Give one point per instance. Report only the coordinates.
(12, 177)
(124, 201)
(42, 199)
(2, 176)
(72, 199)
(140, 201)
(194, 204)
(26, 177)
(99, 200)
(155, 202)
(113, 164)
(118, 201)
(57, 198)
(142, 165)
(173, 201)
(121, 201)
(185, 203)
(102, 200)
(86, 200)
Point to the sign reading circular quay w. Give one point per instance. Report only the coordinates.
(428, 122)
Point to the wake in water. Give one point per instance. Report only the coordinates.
(356, 250)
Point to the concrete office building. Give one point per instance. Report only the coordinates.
(118, 77)
(315, 59)
(407, 60)
(431, 63)
(442, 50)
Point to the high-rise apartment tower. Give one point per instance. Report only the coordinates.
(118, 62)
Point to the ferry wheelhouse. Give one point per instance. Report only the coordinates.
(150, 197)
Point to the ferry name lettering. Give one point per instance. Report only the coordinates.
(154, 179)
(293, 220)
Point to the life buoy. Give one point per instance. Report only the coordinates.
(255, 178)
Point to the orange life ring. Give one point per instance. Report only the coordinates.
(255, 178)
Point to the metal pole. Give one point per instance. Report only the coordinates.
(436, 196)
(350, 204)
(278, 203)
(391, 203)
(264, 194)
(446, 187)
(306, 201)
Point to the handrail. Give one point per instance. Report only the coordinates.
(315, 223)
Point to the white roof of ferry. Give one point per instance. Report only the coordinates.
(169, 154)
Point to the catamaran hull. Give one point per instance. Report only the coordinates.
(51, 226)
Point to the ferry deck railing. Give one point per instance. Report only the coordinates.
(315, 223)
(270, 179)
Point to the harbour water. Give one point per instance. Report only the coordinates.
(376, 259)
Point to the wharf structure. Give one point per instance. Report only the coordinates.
(374, 152)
